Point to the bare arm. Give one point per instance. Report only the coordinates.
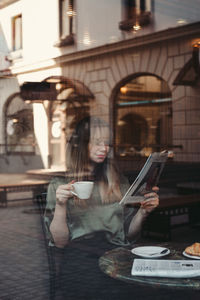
(58, 227)
(150, 202)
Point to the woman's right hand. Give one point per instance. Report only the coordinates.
(64, 192)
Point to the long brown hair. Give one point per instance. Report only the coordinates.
(78, 160)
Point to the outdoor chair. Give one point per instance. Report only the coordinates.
(54, 255)
(57, 258)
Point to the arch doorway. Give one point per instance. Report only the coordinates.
(142, 116)
(64, 101)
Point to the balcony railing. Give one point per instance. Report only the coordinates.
(142, 19)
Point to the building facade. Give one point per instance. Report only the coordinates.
(133, 63)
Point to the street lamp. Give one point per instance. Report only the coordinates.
(196, 57)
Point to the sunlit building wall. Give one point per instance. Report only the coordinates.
(106, 46)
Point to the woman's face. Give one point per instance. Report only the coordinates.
(99, 144)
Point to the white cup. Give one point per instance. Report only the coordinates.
(83, 189)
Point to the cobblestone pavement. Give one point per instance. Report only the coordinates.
(23, 259)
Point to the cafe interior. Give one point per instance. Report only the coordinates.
(143, 81)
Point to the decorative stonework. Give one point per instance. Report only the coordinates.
(104, 68)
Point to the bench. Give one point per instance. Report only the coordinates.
(160, 222)
(36, 186)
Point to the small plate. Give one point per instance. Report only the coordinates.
(148, 251)
(191, 256)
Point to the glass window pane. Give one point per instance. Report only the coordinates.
(65, 21)
(17, 34)
(143, 121)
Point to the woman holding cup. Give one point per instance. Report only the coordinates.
(99, 221)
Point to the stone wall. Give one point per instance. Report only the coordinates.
(102, 74)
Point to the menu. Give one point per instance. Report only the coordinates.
(166, 268)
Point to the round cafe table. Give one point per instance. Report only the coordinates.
(118, 262)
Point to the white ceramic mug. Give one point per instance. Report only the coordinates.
(83, 189)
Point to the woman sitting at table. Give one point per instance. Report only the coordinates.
(99, 223)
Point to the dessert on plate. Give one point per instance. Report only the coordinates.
(194, 249)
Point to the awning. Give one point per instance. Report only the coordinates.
(37, 91)
(187, 75)
(55, 88)
(190, 73)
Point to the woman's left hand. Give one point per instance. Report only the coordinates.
(151, 201)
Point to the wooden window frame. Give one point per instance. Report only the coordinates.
(14, 35)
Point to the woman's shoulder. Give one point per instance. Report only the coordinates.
(58, 180)
(51, 192)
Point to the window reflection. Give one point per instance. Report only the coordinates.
(136, 14)
(143, 120)
(19, 126)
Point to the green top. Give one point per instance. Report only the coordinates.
(83, 222)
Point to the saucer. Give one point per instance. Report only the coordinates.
(150, 251)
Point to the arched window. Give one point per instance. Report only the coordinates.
(19, 132)
(142, 116)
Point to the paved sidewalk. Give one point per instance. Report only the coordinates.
(23, 259)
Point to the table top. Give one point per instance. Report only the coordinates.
(24, 183)
(118, 262)
(18, 179)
